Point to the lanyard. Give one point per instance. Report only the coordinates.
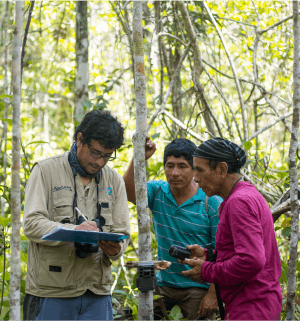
(99, 216)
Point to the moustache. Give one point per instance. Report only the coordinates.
(96, 167)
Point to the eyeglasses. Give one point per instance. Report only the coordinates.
(98, 155)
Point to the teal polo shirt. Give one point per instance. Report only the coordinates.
(180, 225)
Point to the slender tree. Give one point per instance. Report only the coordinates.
(4, 135)
(145, 311)
(291, 288)
(15, 272)
(82, 58)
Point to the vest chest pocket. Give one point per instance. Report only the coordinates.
(63, 211)
(106, 212)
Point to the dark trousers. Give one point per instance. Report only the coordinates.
(188, 299)
(88, 306)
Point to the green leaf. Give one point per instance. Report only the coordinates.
(248, 145)
(120, 292)
(99, 97)
(175, 312)
(155, 136)
(283, 277)
(270, 176)
(100, 106)
(6, 96)
(9, 121)
(88, 104)
(4, 221)
(286, 231)
(282, 175)
(4, 312)
(37, 142)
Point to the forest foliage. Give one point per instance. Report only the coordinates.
(259, 39)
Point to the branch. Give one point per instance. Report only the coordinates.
(270, 125)
(161, 34)
(262, 182)
(265, 195)
(116, 279)
(236, 79)
(183, 126)
(198, 66)
(281, 209)
(167, 94)
(241, 22)
(247, 81)
(125, 5)
(108, 89)
(159, 265)
(215, 120)
(226, 102)
(276, 24)
(25, 36)
(256, 41)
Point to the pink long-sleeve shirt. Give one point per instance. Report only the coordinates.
(248, 265)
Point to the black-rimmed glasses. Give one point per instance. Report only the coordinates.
(97, 155)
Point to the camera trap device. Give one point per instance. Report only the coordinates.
(179, 252)
(146, 280)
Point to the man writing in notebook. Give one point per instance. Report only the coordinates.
(71, 281)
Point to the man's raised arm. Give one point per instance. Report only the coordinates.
(128, 177)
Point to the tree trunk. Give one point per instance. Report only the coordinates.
(155, 56)
(7, 100)
(82, 57)
(291, 288)
(145, 310)
(197, 65)
(15, 272)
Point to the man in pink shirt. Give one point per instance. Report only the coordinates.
(247, 268)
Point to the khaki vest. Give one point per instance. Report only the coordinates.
(53, 269)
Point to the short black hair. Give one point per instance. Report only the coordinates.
(232, 167)
(180, 147)
(101, 126)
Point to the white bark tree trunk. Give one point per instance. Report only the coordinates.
(6, 92)
(15, 272)
(145, 310)
(82, 58)
(155, 57)
(291, 288)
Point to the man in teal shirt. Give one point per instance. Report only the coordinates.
(180, 218)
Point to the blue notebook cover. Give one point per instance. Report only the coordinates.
(90, 237)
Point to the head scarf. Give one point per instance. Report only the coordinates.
(76, 168)
(223, 150)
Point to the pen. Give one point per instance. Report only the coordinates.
(77, 209)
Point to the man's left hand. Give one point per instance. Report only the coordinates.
(195, 273)
(109, 247)
(208, 305)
